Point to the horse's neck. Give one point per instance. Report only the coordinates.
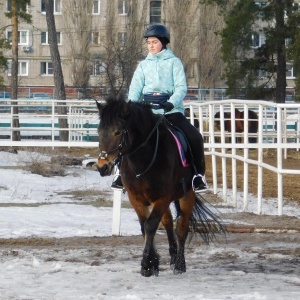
(142, 128)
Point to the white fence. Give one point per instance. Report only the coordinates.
(278, 129)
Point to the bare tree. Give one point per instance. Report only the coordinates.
(78, 23)
(60, 93)
(193, 27)
(180, 16)
(209, 61)
(124, 43)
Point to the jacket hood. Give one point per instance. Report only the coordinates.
(162, 55)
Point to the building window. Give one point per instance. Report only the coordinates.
(155, 11)
(22, 68)
(96, 7)
(56, 7)
(8, 5)
(261, 5)
(258, 40)
(46, 68)
(122, 38)
(288, 41)
(122, 7)
(20, 6)
(95, 38)
(290, 71)
(23, 37)
(262, 74)
(45, 38)
(97, 68)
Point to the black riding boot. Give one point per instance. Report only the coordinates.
(199, 183)
(117, 183)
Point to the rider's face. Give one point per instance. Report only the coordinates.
(154, 45)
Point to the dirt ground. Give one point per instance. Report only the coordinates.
(265, 245)
(261, 253)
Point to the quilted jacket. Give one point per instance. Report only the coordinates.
(160, 73)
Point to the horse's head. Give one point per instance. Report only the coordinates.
(112, 133)
(217, 120)
(227, 122)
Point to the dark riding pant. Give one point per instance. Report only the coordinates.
(194, 138)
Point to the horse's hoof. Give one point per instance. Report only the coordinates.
(178, 272)
(149, 272)
(172, 267)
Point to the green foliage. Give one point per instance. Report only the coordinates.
(250, 69)
(4, 45)
(21, 11)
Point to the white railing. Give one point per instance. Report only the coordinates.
(278, 129)
(39, 123)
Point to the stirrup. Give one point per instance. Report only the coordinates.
(202, 187)
(117, 183)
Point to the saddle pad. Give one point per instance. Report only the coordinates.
(181, 147)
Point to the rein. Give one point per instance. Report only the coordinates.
(155, 128)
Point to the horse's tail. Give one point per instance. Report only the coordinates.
(205, 222)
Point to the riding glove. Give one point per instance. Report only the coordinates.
(168, 106)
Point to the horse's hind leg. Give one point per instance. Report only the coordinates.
(182, 230)
(167, 221)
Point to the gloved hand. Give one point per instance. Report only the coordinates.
(168, 106)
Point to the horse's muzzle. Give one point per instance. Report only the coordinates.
(105, 169)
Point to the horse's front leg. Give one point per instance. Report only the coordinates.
(150, 261)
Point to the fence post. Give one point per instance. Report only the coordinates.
(116, 221)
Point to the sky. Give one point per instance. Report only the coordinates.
(45, 207)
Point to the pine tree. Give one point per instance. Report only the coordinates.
(254, 46)
(17, 13)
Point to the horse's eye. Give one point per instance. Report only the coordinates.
(118, 132)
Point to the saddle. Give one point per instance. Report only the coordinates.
(183, 146)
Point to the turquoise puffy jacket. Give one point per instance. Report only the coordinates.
(160, 73)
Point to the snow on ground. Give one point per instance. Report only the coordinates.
(36, 206)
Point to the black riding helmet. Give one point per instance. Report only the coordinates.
(159, 31)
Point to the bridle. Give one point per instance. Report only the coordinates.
(118, 158)
(123, 142)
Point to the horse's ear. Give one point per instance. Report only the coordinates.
(100, 107)
(127, 108)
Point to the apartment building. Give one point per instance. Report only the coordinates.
(96, 36)
(84, 28)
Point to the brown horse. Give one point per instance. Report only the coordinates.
(239, 123)
(152, 174)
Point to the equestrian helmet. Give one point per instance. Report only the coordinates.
(159, 31)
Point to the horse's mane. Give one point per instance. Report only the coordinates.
(138, 113)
